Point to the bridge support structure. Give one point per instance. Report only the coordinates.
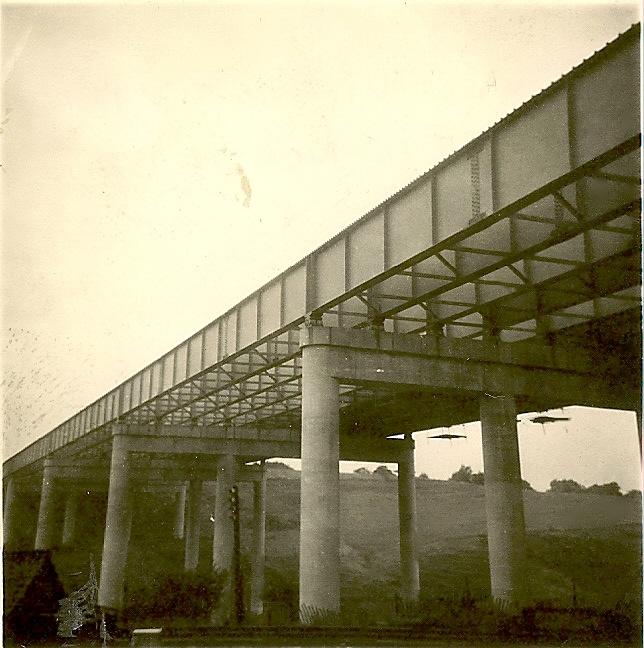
(47, 525)
(178, 529)
(503, 499)
(118, 524)
(320, 489)
(193, 496)
(259, 545)
(489, 377)
(11, 513)
(409, 569)
(72, 503)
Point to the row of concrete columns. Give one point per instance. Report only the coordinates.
(320, 505)
(319, 522)
(118, 522)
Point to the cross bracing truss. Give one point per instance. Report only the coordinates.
(583, 266)
(531, 229)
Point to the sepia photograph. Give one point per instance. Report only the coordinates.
(321, 323)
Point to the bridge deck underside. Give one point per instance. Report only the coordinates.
(552, 250)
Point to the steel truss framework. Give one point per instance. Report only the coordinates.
(564, 254)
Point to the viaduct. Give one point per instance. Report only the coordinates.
(506, 279)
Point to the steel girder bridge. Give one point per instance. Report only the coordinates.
(528, 236)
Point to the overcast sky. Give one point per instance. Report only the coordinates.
(161, 162)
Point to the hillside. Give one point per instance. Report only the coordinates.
(587, 546)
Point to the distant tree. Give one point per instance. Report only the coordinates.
(384, 473)
(423, 477)
(566, 486)
(526, 485)
(363, 472)
(463, 474)
(634, 493)
(477, 478)
(278, 465)
(611, 488)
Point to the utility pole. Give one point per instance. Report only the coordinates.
(238, 583)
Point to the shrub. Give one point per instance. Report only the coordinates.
(190, 595)
(611, 488)
(463, 474)
(566, 486)
(384, 473)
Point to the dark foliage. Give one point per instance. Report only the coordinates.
(384, 473)
(465, 474)
(571, 486)
(190, 596)
(32, 590)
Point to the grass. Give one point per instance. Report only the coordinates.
(581, 548)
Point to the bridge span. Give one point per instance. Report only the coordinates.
(506, 279)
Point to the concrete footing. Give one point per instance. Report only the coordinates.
(320, 499)
(503, 499)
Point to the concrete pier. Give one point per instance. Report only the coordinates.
(118, 523)
(409, 571)
(503, 499)
(222, 539)
(638, 422)
(71, 516)
(46, 530)
(259, 546)
(180, 513)
(193, 525)
(320, 499)
(10, 514)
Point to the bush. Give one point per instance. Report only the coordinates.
(190, 595)
(463, 474)
(566, 486)
(478, 478)
(571, 486)
(611, 488)
(384, 473)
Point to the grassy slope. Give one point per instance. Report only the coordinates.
(591, 541)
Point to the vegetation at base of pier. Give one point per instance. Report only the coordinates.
(584, 553)
(182, 595)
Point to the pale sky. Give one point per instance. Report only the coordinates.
(161, 162)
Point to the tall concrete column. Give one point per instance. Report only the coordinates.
(259, 546)
(118, 524)
(409, 572)
(320, 492)
(10, 521)
(46, 530)
(503, 499)
(193, 525)
(222, 539)
(180, 513)
(71, 516)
